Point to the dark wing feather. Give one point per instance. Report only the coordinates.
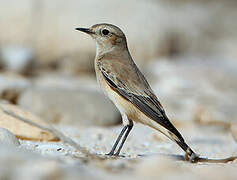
(147, 104)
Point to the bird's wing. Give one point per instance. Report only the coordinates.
(143, 98)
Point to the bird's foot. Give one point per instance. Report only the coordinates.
(117, 154)
(112, 154)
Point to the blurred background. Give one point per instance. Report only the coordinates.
(187, 49)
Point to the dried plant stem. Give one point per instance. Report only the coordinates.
(52, 130)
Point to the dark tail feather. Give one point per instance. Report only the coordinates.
(183, 145)
(190, 154)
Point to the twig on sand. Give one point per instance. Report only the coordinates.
(55, 132)
(224, 160)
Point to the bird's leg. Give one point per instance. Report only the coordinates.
(130, 126)
(111, 153)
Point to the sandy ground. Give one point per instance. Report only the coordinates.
(146, 154)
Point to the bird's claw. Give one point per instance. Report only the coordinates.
(110, 154)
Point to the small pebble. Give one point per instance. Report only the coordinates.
(6, 137)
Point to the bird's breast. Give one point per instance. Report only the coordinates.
(108, 91)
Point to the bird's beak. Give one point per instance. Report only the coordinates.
(85, 30)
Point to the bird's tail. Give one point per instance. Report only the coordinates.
(174, 135)
(190, 154)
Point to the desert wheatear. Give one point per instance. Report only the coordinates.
(126, 86)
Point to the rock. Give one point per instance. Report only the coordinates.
(156, 166)
(164, 34)
(197, 89)
(234, 130)
(21, 164)
(20, 129)
(70, 101)
(17, 59)
(216, 171)
(43, 169)
(11, 85)
(6, 137)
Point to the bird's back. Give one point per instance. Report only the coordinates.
(125, 73)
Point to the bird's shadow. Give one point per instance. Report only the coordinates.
(124, 156)
(171, 156)
(174, 157)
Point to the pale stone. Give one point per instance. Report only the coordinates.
(155, 166)
(20, 129)
(72, 101)
(6, 137)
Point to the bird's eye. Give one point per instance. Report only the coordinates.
(105, 32)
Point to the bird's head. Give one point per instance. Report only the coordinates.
(107, 36)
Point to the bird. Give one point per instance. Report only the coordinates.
(125, 85)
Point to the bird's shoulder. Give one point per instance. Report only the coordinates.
(125, 74)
